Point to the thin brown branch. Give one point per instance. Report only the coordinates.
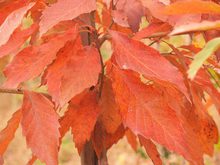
(102, 74)
(19, 92)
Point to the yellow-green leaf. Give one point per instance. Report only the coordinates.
(202, 56)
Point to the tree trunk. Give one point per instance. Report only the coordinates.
(88, 155)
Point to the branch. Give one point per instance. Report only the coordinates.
(20, 92)
(102, 74)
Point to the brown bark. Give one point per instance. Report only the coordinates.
(88, 155)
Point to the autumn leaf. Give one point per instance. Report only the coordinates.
(12, 22)
(32, 160)
(139, 91)
(192, 7)
(151, 150)
(203, 80)
(81, 117)
(16, 40)
(64, 10)
(75, 69)
(128, 13)
(40, 126)
(8, 133)
(102, 140)
(193, 27)
(109, 116)
(144, 107)
(7, 7)
(132, 140)
(31, 61)
(153, 30)
(134, 55)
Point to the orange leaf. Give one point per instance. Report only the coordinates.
(31, 61)
(32, 160)
(192, 27)
(7, 134)
(64, 10)
(152, 30)
(132, 140)
(8, 7)
(192, 7)
(16, 40)
(12, 22)
(151, 150)
(176, 123)
(128, 13)
(134, 55)
(40, 127)
(75, 69)
(109, 117)
(102, 140)
(203, 80)
(81, 116)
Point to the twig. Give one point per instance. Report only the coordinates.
(102, 74)
(19, 92)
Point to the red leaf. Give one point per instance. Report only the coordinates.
(109, 117)
(74, 70)
(40, 127)
(132, 140)
(12, 22)
(31, 61)
(102, 140)
(8, 7)
(16, 40)
(176, 124)
(193, 27)
(134, 55)
(32, 160)
(152, 30)
(151, 150)
(203, 124)
(7, 134)
(129, 12)
(1, 161)
(81, 116)
(192, 7)
(64, 10)
(203, 80)
(120, 18)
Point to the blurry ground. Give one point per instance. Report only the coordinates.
(119, 154)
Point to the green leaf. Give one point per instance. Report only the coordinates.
(202, 56)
